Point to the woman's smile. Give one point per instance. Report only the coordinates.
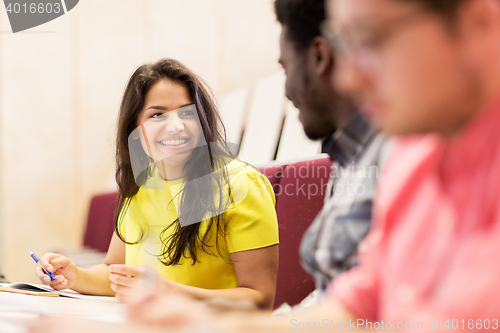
(175, 143)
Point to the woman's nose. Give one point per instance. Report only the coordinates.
(174, 124)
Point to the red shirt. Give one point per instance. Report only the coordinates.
(434, 252)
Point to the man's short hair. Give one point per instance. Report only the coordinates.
(443, 8)
(302, 19)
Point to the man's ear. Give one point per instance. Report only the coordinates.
(476, 18)
(476, 25)
(321, 56)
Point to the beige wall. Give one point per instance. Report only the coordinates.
(60, 88)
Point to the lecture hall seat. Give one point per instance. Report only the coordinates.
(99, 229)
(297, 203)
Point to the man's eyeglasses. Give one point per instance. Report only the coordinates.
(364, 43)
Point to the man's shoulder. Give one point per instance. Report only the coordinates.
(410, 161)
(410, 153)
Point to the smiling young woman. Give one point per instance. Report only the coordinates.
(187, 207)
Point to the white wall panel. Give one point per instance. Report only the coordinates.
(108, 48)
(294, 144)
(233, 111)
(265, 119)
(37, 145)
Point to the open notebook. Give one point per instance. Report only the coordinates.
(42, 290)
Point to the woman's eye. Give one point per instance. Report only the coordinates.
(157, 115)
(188, 113)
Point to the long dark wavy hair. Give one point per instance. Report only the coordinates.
(195, 201)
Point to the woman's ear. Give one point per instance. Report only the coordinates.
(134, 135)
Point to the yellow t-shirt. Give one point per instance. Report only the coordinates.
(251, 223)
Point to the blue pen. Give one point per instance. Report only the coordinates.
(37, 260)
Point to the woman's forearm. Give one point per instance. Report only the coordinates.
(233, 294)
(94, 281)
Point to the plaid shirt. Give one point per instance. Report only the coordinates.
(329, 246)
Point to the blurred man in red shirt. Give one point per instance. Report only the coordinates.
(428, 67)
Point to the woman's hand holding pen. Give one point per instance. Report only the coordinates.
(65, 271)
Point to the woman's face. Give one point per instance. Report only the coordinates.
(168, 125)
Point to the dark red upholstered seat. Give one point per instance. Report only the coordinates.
(300, 197)
(100, 221)
(273, 173)
(99, 229)
(299, 189)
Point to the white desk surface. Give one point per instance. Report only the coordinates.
(16, 309)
